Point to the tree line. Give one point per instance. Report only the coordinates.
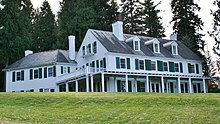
(22, 27)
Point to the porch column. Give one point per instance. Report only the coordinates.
(77, 89)
(204, 85)
(162, 84)
(92, 84)
(151, 87)
(67, 87)
(179, 87)
(167, 91)
(190, 85)
(115, 82)
(126, 83)
(87, 83)
(135, 84)
(147, 84)
(103, 82)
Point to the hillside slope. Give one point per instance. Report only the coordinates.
(109, 108)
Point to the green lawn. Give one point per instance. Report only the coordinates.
(108, 108)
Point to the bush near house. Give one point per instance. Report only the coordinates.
(109, 108)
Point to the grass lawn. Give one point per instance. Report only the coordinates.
(110, 108)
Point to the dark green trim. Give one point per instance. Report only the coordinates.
(45, 72)
(22, 75)
(136, 64)
(189, 68)
(117, 62)
(40, 73)
(160, 65)
(147, 64)
(171, 67)
(54, 71)
(31, 74)
(181, 67)
(197, 69)
(13, 76)
(128, 63)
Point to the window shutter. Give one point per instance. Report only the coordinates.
(160, 65)
(189, 68)
(136, 64)
(104, 62)
(31, 74)
(22, 75)
(61, 69)
(197, 69)
(171, 66)
(117, 62)
(181, 67)
(147, 64)
(69, 68)
(13, 76)
(128, 63)
(40, 73)
(45, 72)
(54, 71)
(119, 85)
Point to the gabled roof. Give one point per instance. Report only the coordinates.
(42, 59)
(112, 44)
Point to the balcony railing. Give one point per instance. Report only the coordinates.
(78, 73)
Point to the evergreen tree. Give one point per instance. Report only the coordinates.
(215, 33)
(131, 10)
(44, 29)
(187, 23)
(151, 21)
(77, 16)
(15, 30)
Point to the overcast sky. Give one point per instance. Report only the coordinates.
(206, 6)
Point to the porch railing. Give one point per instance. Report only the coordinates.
(78, 73)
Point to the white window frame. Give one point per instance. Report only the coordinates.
(140, 65)
(178, 67)
(124, 63)
(136, 45)
(175, 51)
(158, 48)
(50, 74)
(167, 68)
(155, 65)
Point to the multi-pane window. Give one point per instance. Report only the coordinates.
(89, 49)
(174, 47)
(94, 47)
(122, 63)
(191, 68)
(136, 45)
(165, 66)
(153, 65)
(176, 66)
(156, 48)
(18, 76)
(141, 64)
(50, 72)
(36, 74)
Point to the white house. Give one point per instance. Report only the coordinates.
(110, 62)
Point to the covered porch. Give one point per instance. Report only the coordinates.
(132, 82)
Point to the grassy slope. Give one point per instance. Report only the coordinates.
(109, 108)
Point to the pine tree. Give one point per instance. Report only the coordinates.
(151, 21)
(44, 29)
(215, 33)
(77, 16)
(15, 30)
(131, 10)
(187, 23)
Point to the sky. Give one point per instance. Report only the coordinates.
(206, 6)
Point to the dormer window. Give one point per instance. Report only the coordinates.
(154, 45)
(156, 48)
(174, 50)
(136, 44)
